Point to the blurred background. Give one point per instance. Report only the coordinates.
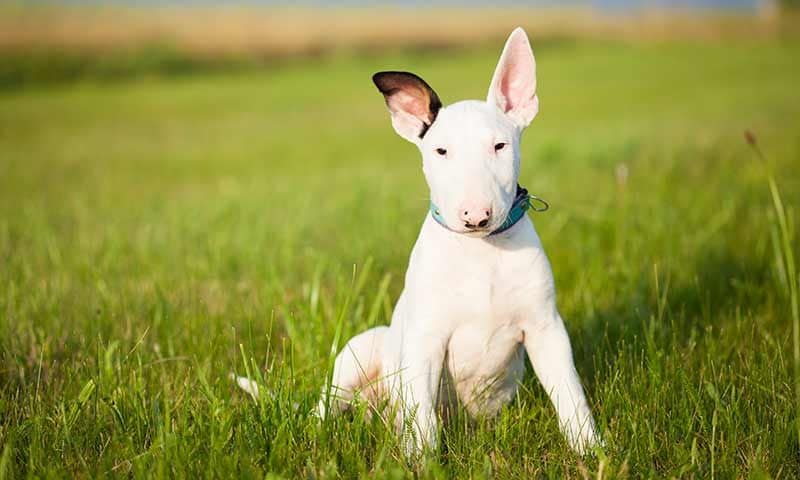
(57, 41)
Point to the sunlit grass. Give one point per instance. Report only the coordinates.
(157, 235)
(783, 242)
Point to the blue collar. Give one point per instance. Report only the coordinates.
(522, 203)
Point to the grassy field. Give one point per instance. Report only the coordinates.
(160, 233)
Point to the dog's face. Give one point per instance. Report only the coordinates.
(470, 149)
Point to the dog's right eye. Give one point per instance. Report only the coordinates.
(441, 151)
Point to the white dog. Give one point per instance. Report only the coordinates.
(479, 291)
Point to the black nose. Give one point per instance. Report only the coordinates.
(481, 224)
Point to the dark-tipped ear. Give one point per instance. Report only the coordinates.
(412, 103)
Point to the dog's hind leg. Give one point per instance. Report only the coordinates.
(357, 369)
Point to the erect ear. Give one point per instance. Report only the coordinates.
(412, 103)
(513, 87)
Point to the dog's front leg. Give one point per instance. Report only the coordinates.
(420, 372)
(549, 350)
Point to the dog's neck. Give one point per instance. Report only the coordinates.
(522, 203)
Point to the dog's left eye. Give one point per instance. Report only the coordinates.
(441, 151)
(499, 146)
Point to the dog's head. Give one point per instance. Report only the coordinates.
(470, 149)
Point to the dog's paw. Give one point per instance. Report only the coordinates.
(417, 439)
(585, 441)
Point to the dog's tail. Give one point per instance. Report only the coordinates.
(252, 389)
(249, 386)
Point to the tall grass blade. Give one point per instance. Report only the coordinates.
(784, 248)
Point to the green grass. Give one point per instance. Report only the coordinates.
(158, 234)
(19, 69)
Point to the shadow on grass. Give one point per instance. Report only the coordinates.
(667, 315)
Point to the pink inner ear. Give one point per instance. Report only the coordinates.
(412, 102)
(518, 76)
(408, 102)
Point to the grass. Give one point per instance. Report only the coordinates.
(158, 234)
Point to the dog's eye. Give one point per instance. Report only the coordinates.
(441, 151)
(499, 146)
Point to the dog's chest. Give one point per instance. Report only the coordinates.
(492, 291)
(485, 282)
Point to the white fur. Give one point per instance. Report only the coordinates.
(473, 304)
